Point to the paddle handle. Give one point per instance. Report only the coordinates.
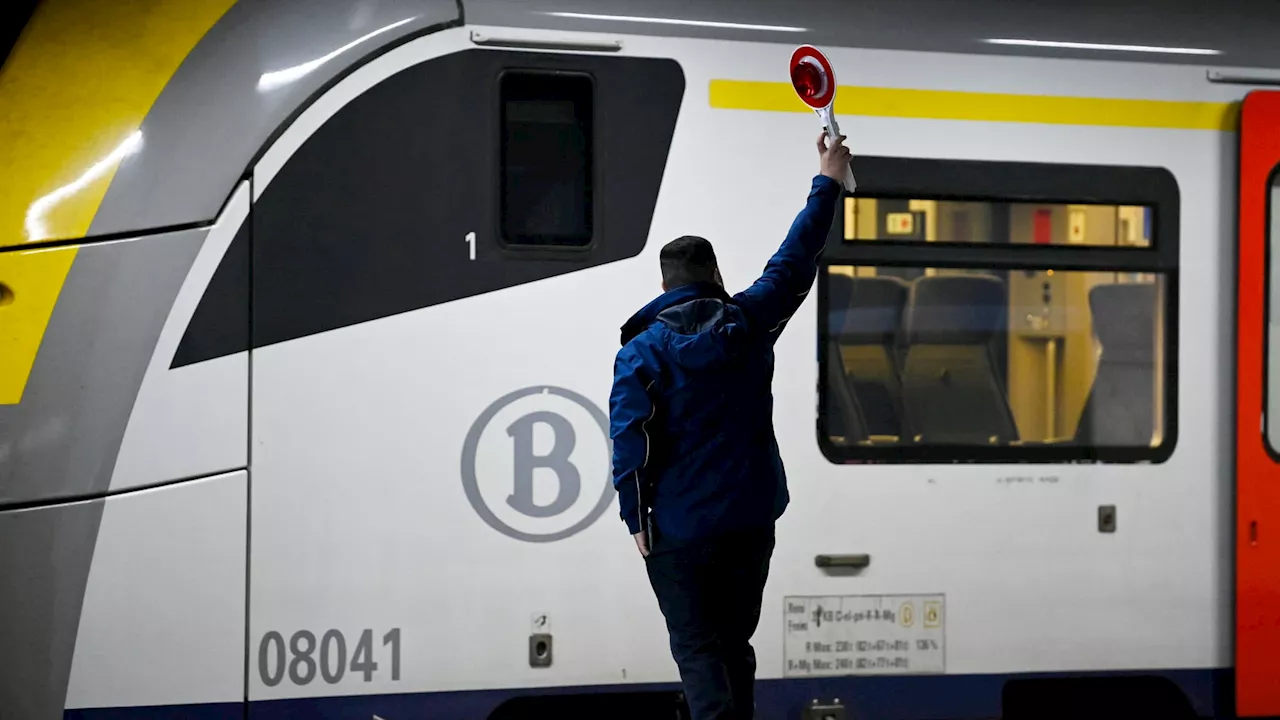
(833, 131)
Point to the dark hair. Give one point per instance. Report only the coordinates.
(687, 260)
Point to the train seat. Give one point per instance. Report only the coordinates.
(845, 423)
(950, 389)
(869, 334)
(843, 417)
(1120, 409)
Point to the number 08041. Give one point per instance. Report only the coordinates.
(304, 657)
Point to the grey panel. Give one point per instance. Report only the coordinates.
(44, 567)
(61, 441)
(1242, 30)
(212, 119)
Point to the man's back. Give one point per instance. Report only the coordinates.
(691, 411)
(713, 461)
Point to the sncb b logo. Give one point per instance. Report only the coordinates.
(536, 464)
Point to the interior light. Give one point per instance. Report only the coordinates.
(1103, 46)
(676, 21)
(278, 78)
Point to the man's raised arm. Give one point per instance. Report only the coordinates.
(789, 275)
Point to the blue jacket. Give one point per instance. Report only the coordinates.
(691, 412)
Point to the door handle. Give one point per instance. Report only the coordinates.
(857, 561)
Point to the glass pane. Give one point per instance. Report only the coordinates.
(1002, 223)
(546, 159)
(928, 356)
(1272, 414)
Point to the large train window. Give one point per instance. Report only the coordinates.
(1000, 312)
(546, 158)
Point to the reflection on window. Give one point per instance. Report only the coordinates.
(546, 159)
(996, 222)
(925, 356)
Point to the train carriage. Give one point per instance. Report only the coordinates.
(308, 311)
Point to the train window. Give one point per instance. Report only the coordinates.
(912, 220)
(546, 158)
(1010, 326)
(1271, 418)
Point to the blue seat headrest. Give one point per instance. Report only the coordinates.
(956, 310)
(1124, 321)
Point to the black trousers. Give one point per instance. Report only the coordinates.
(710, 594)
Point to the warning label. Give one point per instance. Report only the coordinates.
(864, 635)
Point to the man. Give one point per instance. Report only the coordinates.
(695, 460)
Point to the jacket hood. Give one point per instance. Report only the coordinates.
(694, 325)
(646, 315)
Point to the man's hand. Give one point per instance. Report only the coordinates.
(642, 543)
(834, 158)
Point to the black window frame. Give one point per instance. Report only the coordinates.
(548, 250)
(900, 178)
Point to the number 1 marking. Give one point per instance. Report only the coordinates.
(471, 240)
(393, 639)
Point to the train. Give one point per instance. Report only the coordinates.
(308, 313)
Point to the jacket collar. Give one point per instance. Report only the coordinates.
(683, 294)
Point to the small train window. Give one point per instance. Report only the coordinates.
(908, 220)
(546, 158)
(999, 329)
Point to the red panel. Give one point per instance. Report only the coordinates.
(1257, 473)
(1043, 230)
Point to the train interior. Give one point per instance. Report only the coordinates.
(965, 356)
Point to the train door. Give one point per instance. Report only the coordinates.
(417, 318)
(1258, 411)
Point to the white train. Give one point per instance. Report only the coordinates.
(308, 311)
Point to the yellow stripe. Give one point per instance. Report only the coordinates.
(990, 107)
(73, 94)
(75, 88)
(31, 281)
